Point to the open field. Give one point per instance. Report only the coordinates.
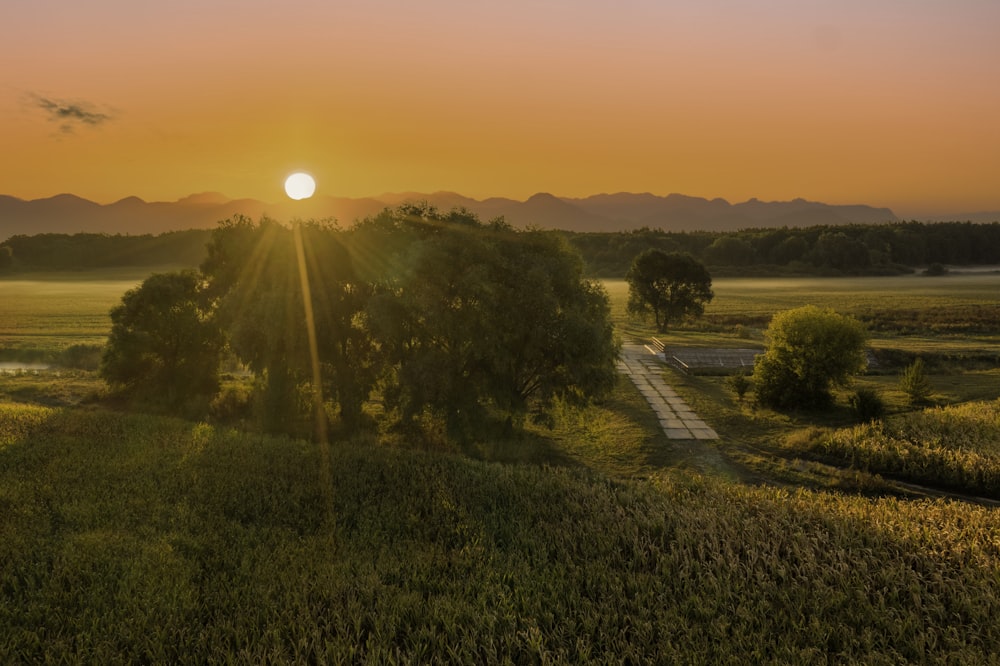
(48, 312)
(951, 315)
(952, 321)
(132, 538)
(52, 311)
(759, 298)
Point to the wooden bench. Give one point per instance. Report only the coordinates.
(655, 346)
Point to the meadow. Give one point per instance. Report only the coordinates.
(952, 322)
(134, 538)
(131, 537)
(48, 312)
(45, 313)
(955, 314)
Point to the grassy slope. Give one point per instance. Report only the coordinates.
(128, 537)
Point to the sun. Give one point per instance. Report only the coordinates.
(300, 186)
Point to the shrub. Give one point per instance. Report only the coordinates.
(809, 350)
(232, 403)
(868, 405)
(82, 357)
(914, 383)
(936, 269)
(740, 384)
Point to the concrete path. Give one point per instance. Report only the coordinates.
(677, 419)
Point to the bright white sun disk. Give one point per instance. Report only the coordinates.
(300, 186)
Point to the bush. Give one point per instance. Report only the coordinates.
(809, 350)
(868, 405)
(740, 384)
(232, 403)
(914, 383)
(81, 357)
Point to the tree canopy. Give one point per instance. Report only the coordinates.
(252, 271)
(164, 341)
(671, 286)
(809, 351)
(438, 314)
(475, 318)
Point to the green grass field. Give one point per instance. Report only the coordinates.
(52, 311)
(138, 538)
(914, 314)
(131, 538)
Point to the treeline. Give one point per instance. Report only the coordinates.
(861, 249)
(438, 315)
(72, 252)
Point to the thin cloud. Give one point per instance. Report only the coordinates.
(70, 115)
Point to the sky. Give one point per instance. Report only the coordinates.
(884, 102)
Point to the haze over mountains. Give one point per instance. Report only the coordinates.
(67, 213)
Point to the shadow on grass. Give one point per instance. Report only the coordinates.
(527, 447)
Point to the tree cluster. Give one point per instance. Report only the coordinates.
(824, 250)
(164, 344)
(435, 313)
(71, 252)
(841, 249)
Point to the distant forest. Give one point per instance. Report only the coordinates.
(861, 249)
(76, 252)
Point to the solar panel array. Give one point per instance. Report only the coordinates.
(690, 358)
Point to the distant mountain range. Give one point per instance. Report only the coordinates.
(67, 213)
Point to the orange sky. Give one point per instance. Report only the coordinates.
(886, 102)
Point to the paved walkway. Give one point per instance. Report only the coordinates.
(646, 371)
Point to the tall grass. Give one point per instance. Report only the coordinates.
(955, 447)
(128, 538)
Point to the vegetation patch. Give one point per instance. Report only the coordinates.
(956, 447)
(132, 538)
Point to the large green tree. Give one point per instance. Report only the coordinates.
(809, 351)
(253, 271)
(549, 332)
(477, 319)
(164, 343)
(671, 286)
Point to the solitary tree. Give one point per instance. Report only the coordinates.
(810, 350)
(670, 285)
(163, 342)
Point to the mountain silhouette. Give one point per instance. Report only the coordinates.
(623, 211)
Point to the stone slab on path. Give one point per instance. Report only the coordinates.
(677, 419)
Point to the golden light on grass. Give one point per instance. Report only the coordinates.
(300, 186)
